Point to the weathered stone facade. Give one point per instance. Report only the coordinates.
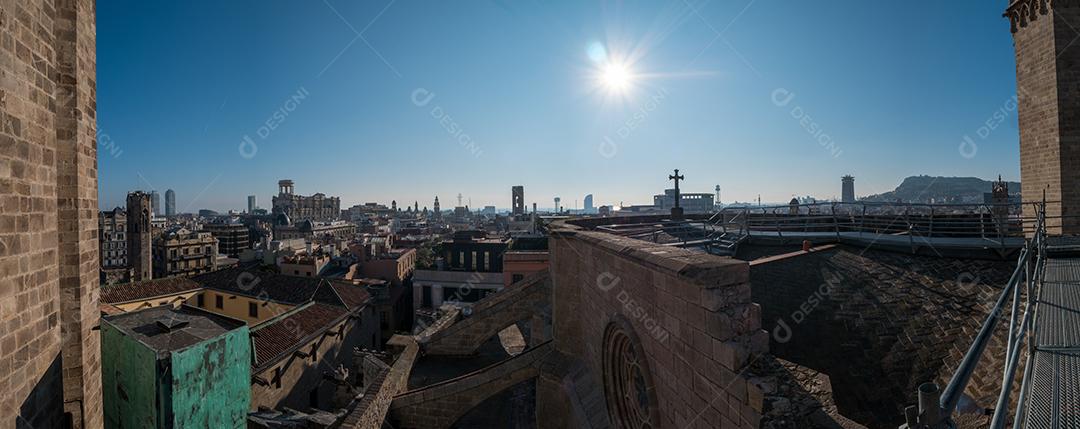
(184, 253)
(1048, 87)
(49, 354)
(112, 239)
(140, 235)
(318, 207)
(682, 320)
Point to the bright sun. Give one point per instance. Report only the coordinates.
(616, 77)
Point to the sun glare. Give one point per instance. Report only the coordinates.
(616, 77)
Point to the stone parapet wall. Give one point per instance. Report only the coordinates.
(372, 409)
(687, 316)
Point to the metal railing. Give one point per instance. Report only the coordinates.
(988, 221)
(935, 409)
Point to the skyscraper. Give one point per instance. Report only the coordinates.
(847, 191)
(170, 203)
(517, 202)
(589, 204)
(251, 204)
(155, 202)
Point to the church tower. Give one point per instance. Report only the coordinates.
(139, 234)
(1048, 93)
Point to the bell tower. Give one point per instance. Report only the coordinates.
(1048, 90)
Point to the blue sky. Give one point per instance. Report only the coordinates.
(768, 97)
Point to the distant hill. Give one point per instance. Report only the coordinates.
(925, 189)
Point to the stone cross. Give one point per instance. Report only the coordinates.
(676, 178)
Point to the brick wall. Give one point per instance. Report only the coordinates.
(49, 356)
(881, 323)
(690, 312)
(1048, 86)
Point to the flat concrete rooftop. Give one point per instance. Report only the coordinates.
(166, 329)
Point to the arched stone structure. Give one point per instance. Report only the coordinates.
(441, 404)
(628, 382)
(526, 300)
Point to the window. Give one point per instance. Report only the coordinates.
(487, 261)
(200, 300)
(219, 302)
(253, 310)
(474, 260)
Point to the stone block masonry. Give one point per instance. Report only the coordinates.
(675, 325)
(49, 354)
(1048, 89)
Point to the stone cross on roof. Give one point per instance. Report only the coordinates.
(676, 177)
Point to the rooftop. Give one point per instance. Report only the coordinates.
(280, 336)
(165, 329)
(126, 292)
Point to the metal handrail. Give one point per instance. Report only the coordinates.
(936, 412)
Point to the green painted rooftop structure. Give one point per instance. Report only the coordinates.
(165, 367)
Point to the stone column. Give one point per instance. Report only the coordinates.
(77, 210)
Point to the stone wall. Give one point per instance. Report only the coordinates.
(881, 323)
(49, 356)
(440, 405)
(684, 318)
(1048, 87)
(371, 411)
(528, 299)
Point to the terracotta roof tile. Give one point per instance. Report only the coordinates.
(354, 296)
(282, 336)
(146, 289)
(260, 284)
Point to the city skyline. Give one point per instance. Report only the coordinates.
(794, 118)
